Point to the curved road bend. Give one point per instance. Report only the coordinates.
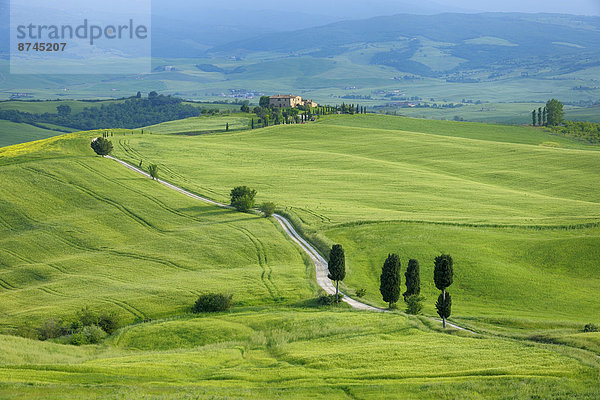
(320, 264)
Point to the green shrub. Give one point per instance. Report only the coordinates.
(102, 146)
(267, 209)
(109, 322)
(91, 334)
(213, 302)
(242, 198)
(361, 292)
(328, 299)
(52, 328)
(414, 304)
(591, 328)
(153, 171)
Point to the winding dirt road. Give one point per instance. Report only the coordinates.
(320, 264)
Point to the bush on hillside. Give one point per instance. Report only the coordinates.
(242, 198)
(591, 328)
(414, 304)
(52, 328)
(213, 302)
(102, 146)
(328, 299)
(361, 292)
(267, 209)
(109, 322)
(91, 334)
(153, 171)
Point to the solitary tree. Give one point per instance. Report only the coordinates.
(389, 286)
(242, 198)
(443, 276)
(267, 209)
(413, 279)
(555, 112)
(227, 127)
(102, 146)
(337, 267)
(153, 171)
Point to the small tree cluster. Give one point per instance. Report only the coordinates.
(390, 283)
(153, 171)
(242, 198)
(87, 327)
(267, 209)
(213, 302)
(102, 146)
(550, 115)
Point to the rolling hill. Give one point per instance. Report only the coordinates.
(531, 198)
(80, 230)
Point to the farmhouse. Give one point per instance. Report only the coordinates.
(289, 101)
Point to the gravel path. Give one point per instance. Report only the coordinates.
(320, 264)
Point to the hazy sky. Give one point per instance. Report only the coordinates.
(585, 7)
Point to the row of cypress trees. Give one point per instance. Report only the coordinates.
(390, 281)
(443, 276)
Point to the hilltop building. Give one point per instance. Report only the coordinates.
(290, 101)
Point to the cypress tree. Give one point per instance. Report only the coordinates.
(252, 125)
(545, 117)
(540, 116)
(413, 279)
(533, 117)
(443, 276)
(390, 279)
(227, 127)
(444, 306)
(337, 267)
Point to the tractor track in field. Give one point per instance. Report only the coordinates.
(319, 262)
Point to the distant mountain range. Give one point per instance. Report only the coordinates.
(433, 44)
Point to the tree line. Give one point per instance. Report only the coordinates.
(390, 281)
(550, 115)
(132, 113)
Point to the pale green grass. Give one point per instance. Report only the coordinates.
(79, 229)
(13, 133)
(40, 107)
(520, 217)
(297, 354)
(198, 125)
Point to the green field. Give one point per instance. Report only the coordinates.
(517, 207)
(205, 124)
(13, 133)
(94, 233)
(80, 230)
(293, 353)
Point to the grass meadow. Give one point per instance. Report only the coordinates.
(295, 353)
(79, 229)
(518, 214)
(517, 207)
